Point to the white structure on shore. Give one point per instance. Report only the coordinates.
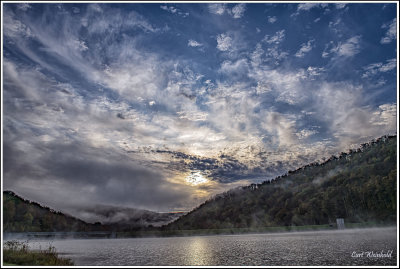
(340, 223)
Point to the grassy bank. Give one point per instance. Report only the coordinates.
(227, 231)
(18, 253)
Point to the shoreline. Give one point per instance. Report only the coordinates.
(194, 232)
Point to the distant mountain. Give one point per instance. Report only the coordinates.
(20, 215)
(359, 185)
(124, 217)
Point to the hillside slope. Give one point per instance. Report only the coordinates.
(359, 186)
(21, 215)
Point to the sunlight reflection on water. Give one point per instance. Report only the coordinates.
(197, 252)
(305, 248)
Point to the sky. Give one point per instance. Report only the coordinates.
(161, 106)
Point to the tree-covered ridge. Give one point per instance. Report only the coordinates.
(22, 215)
(359, 186)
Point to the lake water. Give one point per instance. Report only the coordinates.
(339, 247)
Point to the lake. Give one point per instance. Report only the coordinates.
(338, 247)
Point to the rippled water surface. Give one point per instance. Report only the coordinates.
(302, 248)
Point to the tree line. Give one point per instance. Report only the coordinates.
(20, 215)
(358, 185)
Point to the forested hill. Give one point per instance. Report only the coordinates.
(359, 185)
(21, 215)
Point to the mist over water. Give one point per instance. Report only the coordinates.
(339, 247)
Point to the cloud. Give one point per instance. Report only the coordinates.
(334, 25)
(217, 9)
(277, 38)
(275, 54)
(327, 50)
(66, 47)
(174, 10)
(75, 127)
(308, 6)
(272, 19)
(338, 107)
(170, 9)
(192, 115)
(375, 68)
(391, 32)
(79, 45)
(89, 179)
(24, 6)
(194, 43)
(238, 10)
(345, 49)
(115, 21)
(390, 65)
(340, 5)
(341, 106)
(224, 42)
(305, 48)
(235, 69)
(14, 28)
(95, 8)
(385, 116)
(315, 71)
(281, 127)
(257, 55)
(349, 48)
(305, 133)
(273, 51)
(288, 85)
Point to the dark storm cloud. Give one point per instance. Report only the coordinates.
(88, 174)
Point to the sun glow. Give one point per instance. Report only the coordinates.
(196, 178)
